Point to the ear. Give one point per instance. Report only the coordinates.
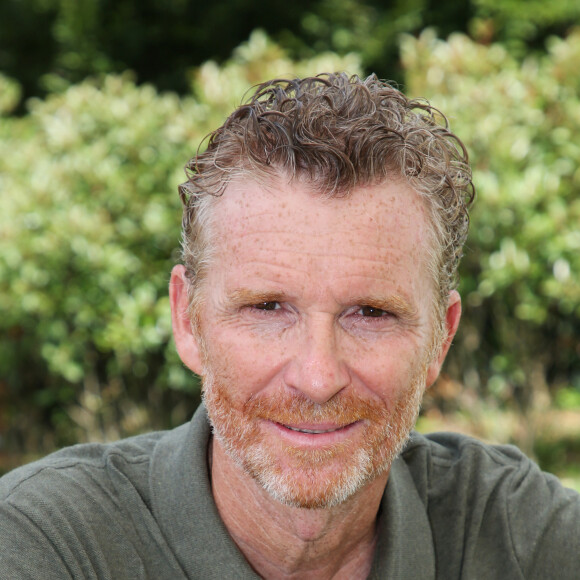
(185, 339)
(452, 317)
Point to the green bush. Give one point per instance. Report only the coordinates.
(521, 271)
(89, 231)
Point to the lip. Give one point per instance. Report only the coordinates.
(315, 429)
(312, 431)
(315, 435)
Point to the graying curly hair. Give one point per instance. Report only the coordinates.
(335, 132)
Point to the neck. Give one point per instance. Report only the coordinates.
(289, 542)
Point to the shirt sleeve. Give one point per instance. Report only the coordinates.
(544, 519)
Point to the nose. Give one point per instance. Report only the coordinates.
(316, 369)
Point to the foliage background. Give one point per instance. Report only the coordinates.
(101, 104)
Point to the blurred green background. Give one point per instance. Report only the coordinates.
(101, 104)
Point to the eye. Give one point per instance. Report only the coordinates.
(267, 306)
(372, 312)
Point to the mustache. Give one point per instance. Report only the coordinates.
(343, 409)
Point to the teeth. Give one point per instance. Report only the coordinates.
(313, 431)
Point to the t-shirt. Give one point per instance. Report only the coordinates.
(142, 508)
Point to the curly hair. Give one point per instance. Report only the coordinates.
(336, 132)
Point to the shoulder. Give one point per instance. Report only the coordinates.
(447, 447)
(497, 504)
(75, 510)
(442, 453)
(85, 463)
(451, 463)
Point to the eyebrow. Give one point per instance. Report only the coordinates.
(241, 296)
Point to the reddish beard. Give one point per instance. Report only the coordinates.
(312, 478)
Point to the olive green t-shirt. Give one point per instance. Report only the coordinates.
(142, 508)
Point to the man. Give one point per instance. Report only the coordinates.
(322, 227)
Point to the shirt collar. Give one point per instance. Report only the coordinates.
(184, 508)
(405, 544)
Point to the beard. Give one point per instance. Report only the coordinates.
(312, 478)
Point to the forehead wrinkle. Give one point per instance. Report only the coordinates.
(251, 223)
(302, 238)
(259, 271)
(265, 270)
(244, 228)
(383, 255)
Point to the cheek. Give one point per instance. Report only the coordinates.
(241, 364)
(389, 369)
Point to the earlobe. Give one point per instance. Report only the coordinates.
(452, 318)
(185, 339)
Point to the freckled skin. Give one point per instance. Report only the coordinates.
(311, 301)
(324, 257)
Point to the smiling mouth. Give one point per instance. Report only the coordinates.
(314, 431)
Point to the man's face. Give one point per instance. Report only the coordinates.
(315, 328)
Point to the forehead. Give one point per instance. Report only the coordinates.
(384, 212)
(283, 229)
